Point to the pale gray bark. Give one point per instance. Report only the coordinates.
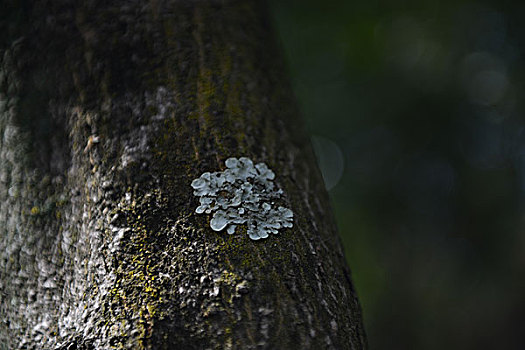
(108, 111)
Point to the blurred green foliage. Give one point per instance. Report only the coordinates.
(416, 111)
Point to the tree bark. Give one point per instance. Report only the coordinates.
(108, 111)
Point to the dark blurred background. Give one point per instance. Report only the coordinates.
(416, 114)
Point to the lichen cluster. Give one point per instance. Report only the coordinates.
(244, 193)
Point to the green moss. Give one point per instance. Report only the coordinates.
(137, 287)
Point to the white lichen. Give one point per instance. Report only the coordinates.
(242, 194)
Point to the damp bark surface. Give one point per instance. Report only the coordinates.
(108, 111)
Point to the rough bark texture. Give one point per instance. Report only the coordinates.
(108, 111)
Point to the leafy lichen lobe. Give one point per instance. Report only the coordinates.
(243, 193)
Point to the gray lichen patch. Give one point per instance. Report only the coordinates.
(244, 193)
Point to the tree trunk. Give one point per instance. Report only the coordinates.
(108, 111)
